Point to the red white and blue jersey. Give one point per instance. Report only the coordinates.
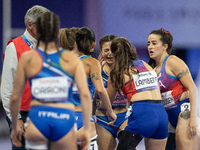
(170, 87)
(52, 83)
(143, 81)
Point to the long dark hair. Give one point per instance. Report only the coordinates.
(84, 39)
(124, 56)
(166, 38)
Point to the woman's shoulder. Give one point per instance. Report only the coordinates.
(91, 60)
(28, 54)
(174, 60)
(71, 57)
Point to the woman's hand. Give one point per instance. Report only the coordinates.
(101, 60)
(111, 116)
(84, 140)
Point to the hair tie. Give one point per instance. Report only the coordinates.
(164, 30)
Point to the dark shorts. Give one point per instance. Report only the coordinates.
(148, 119)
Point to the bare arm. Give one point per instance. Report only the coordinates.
(181, 71)
(95, 75)
(80, 79)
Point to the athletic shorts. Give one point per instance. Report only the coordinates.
(53, 122)
(173, 113)
(148, 119)
(79, 119)
(103, 121)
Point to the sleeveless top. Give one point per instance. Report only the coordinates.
(52, 83)
(170, 87)
(143, 81)
(91, 87)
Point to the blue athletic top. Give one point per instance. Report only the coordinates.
(91, 86)
(52, 83)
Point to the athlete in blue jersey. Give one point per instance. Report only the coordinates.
(85, 44)
(78, 111)
(138, 81)
(51, 73)
(67, 41)
(85, 41)
(179, 93)
(105, 131)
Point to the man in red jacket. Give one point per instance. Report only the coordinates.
(13, 51)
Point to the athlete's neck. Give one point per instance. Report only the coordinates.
(80, 54)
(51, 46)
(159, 60)
(107, 68)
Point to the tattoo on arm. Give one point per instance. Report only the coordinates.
(181, 74)
(95, 76)
(29, 60)
(185, 115)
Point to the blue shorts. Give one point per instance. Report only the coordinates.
(148, 119)
(53, 122)
(103, 121)
(79, 119)
(173, 113)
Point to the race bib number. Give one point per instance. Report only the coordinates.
(50, 88)
(168, 99)
(185, 107)
(145, 81)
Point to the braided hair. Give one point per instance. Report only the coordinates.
(47, 30)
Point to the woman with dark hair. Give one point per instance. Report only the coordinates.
(51, 73)
(138, 81)
(105, 131)
(85, 42)
(67, 41)
(178, 90)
